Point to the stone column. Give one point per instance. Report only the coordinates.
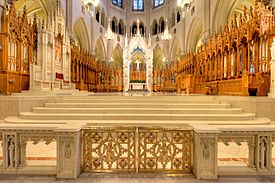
(68, 153)
(22, 148)
(264, 153)
(206, 20)
(251, 157)
(205, 152)
(272, 71)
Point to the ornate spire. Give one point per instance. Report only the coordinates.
(138, 30)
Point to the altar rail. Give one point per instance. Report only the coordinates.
(137, 150)
(193, 148)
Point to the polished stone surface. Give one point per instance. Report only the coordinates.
(134, 178)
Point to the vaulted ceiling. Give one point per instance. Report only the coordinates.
(39, 7)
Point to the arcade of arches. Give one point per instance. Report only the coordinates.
(199, 77)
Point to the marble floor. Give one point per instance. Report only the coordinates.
(134, 178)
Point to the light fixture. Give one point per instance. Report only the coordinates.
(91, 5)
(91, 2)
(166, 35)
(184, 3)
(109, 34)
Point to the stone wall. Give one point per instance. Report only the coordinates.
(12, 106)
(261, 106)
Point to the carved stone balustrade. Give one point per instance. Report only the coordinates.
(190, 149)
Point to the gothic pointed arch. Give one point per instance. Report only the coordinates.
(114, 24)
(158, 58)
(194, 34)
(100, 50)
(176, 49)
(117, 57)
(121, 27)
(81, 34)
(155, 27)
(225, 11)
(141, 28)
(97, 14)
(161, 25)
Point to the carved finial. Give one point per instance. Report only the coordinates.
(12, 2)
(251, 12)
(240, 20)
(244, 15)
(235, 20)
(256, 10)
(226, 29)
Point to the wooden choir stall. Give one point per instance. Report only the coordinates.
(236, 61)
(89, 74)
(18, 38)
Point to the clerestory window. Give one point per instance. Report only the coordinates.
(138, 5)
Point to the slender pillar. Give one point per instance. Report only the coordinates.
(272, 71)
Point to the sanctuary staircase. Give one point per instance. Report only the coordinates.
(152, 134)
(137, 110)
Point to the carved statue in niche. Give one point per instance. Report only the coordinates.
(263, 151)
(11, 155)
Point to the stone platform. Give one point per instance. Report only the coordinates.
(200, 127)
(137, 110)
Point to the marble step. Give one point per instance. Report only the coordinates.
(69, 93)
(150, 123)
(142, 97)
(177, 117)
(137, 105)
(141, 100)
(137, 110)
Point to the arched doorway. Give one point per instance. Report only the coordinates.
(138, 68)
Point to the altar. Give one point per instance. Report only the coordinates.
(137, 62)
(138, 86)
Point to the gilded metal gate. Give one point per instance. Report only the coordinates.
(137, 150)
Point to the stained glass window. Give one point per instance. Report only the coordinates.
(117, 2)
(158, 3)
(138, 5)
